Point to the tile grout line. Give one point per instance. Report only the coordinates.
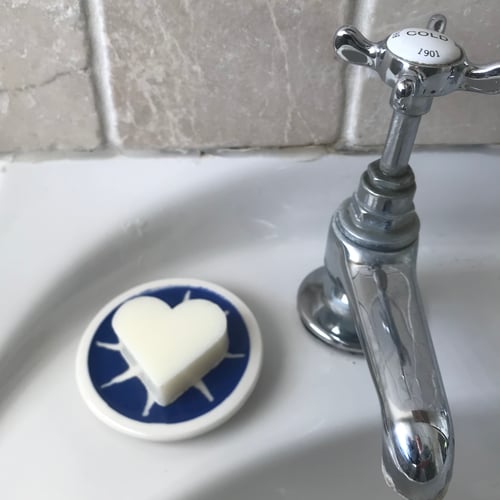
(338, 143)
(363, 13)
(102, 73)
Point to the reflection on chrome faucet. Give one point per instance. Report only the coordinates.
(383, 309)
(385, 303)
(366, 299)
(372, 295)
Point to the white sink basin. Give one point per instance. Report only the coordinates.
(345, 466)
(74, 234)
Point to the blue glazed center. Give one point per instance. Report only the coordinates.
(129, 398)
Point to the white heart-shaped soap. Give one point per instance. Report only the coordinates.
(174, 347)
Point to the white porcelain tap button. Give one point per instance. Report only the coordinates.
(173, 347)
(423, 46)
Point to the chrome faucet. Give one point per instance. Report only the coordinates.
(366, 298)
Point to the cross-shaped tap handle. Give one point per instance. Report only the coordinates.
(419, 62)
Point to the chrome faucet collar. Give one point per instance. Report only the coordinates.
(380, 214)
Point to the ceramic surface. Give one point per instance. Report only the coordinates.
(76, 234)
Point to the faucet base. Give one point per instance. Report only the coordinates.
(327, 316)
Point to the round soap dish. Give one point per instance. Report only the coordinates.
(115, 388)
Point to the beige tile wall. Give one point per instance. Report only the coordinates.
(230, 73)
(196, 74)
(46, 95)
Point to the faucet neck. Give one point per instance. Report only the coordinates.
(381, 215)
(408, 109)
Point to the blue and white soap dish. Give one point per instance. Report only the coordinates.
(212, 348)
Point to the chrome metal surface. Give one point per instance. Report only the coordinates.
(324, 311)
(433, 79)
(415, 84)
(437, 22)
(384, 299)
(381, 215)
(399, 143)
(367, 291)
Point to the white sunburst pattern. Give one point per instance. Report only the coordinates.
(134, 371)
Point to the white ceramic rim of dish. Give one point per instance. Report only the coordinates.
(182, 430)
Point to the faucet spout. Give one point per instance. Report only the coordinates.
(366, 299)
(385, 304)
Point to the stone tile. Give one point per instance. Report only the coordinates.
(59, 115)
(232, 73)
(460, 118)
(46, 95)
